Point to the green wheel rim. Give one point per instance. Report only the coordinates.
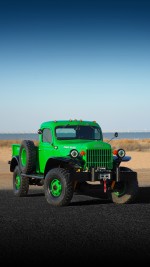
(120, 191)
(23, 157)
(56, 188)
(18, 182)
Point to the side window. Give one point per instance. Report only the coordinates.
(47, 136)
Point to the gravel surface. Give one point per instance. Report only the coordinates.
(89, 230)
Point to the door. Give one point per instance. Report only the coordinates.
(46, 148)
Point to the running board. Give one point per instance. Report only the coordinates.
(32, 176)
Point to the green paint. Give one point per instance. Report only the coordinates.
(23, 157)
(98, 154)
(18, 182)
(56, 188)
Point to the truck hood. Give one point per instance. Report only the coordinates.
(79, 145)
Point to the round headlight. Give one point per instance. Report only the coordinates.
(121, 153)
(74, 153)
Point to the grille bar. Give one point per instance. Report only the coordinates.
(99, 158)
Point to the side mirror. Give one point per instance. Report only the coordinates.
(40, 131)
(116, 134)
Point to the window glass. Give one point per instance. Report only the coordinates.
(65, 133)
(78, 132)
(47, 137)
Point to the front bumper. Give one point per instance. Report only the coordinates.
(92, 176)
(107, 175)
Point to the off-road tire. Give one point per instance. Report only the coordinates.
(20, 184)
(27, 157)
(129, 186)
(62, 178)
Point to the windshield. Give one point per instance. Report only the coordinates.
(78, 132)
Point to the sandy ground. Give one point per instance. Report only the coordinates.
(140, 162)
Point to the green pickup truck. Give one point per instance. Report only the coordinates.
(71, 153)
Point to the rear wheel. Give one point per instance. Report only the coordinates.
(20, 184)
(126, 190)
(58, 188)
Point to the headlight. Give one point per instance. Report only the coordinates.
(74, 153)
(121, 153)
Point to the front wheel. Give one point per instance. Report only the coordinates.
(20, 184)
(58, 188)
(126, 190)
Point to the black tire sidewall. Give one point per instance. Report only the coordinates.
(30, 149)
(24, 184)
(67, 187)
(130, 189)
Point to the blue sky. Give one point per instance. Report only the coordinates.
(85, 60)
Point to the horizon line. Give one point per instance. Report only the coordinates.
(103, 131)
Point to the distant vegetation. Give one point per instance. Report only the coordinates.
(8, 143)
(131, 144)
(127, 144)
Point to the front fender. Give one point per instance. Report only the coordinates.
(125, 158)
(58, 161)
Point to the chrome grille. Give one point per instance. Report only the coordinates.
(99, 158)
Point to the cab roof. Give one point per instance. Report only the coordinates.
(56, 123)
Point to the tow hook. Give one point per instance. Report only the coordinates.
(105, 185)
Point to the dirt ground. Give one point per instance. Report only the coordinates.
(140, 162)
